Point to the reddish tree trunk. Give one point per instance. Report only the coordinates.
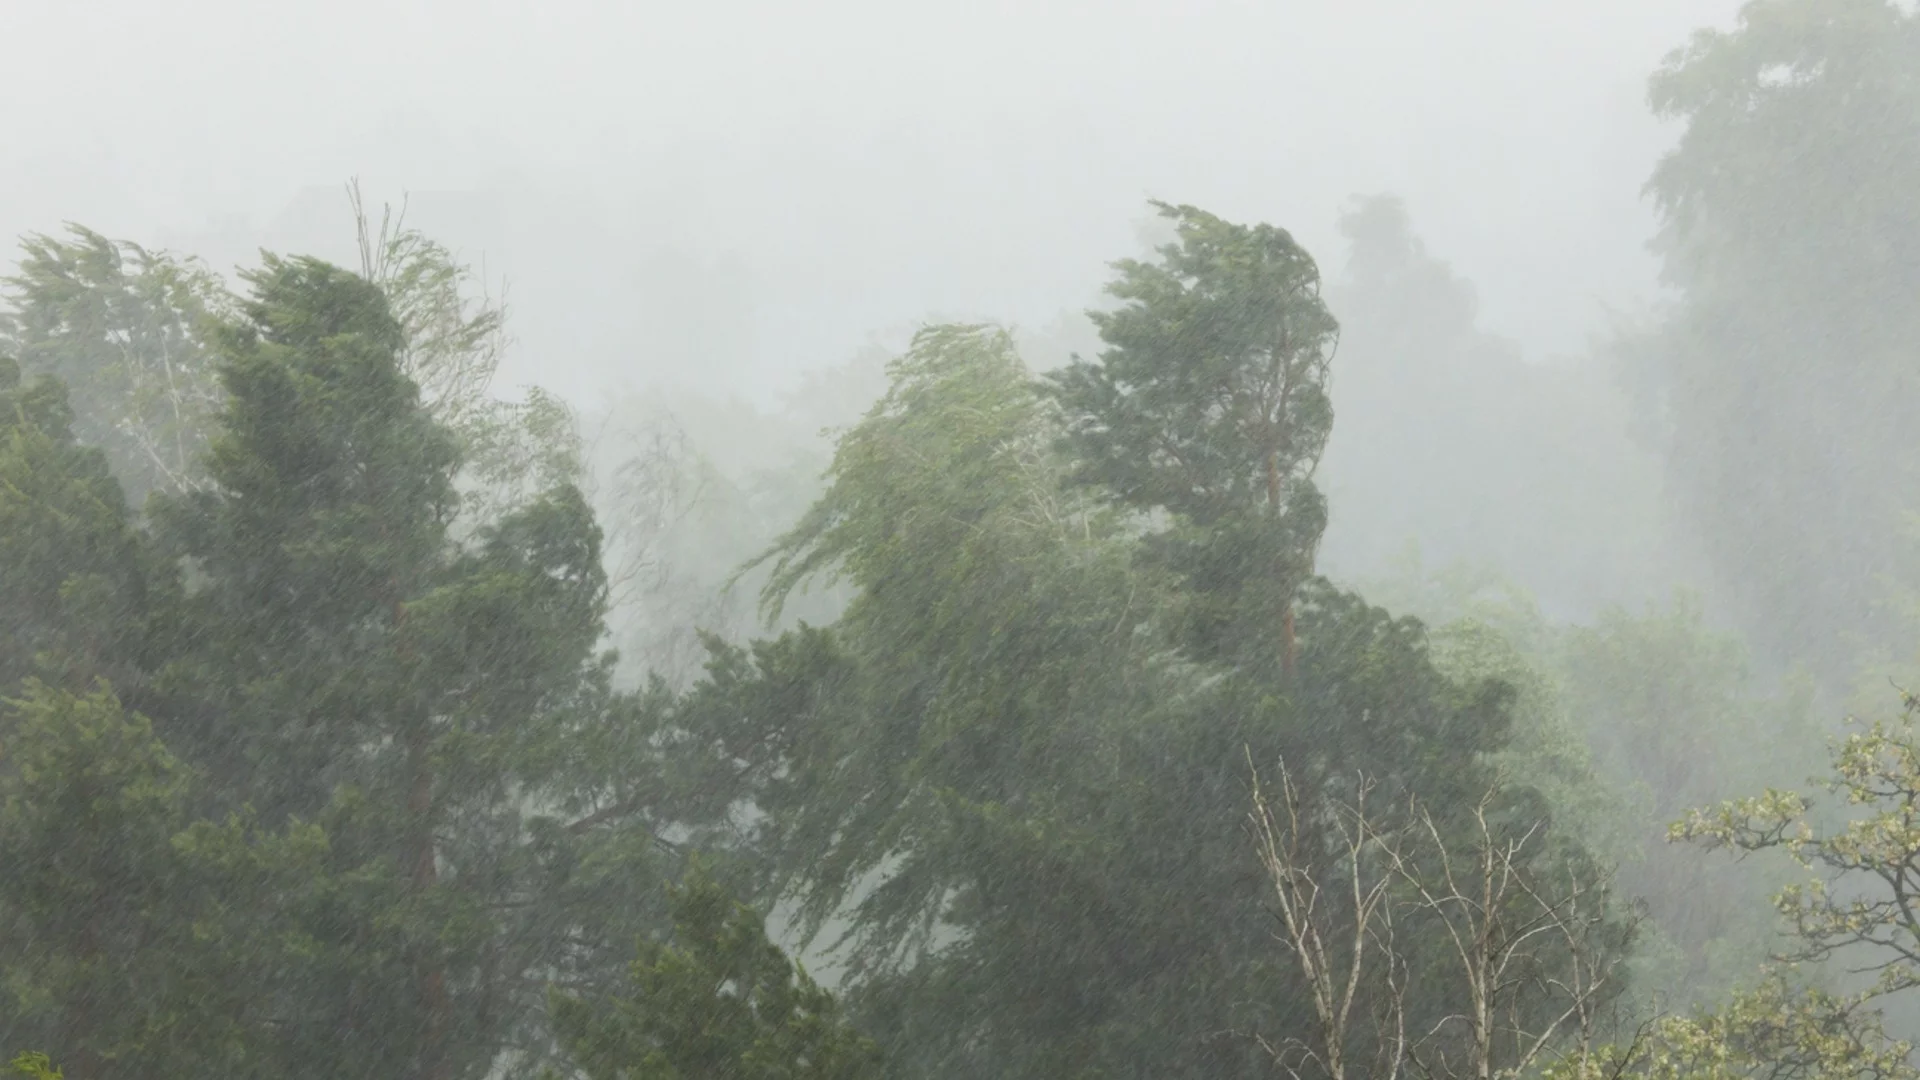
(1287, 649)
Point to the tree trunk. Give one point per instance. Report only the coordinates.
(1287, 647)
(424, 874)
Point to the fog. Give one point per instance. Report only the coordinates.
(749, 190)
(1146, 541)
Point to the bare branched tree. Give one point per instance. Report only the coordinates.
(1337, 948)
(1535, 947)
(1537, 942)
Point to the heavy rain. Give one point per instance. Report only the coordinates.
(1325, 540)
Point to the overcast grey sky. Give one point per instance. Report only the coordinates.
(738, 190)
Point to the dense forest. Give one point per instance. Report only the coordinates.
(1069, 708)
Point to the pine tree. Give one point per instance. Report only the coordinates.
(1210, 403)
(352, 664)
(720, 999)
(116, 941)
(73, 575)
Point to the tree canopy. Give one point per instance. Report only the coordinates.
(315, 761)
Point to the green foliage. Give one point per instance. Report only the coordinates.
(1677, 721)
(105, 920)
(1774, 1030)
(719, 1000)
(403, 792)
(1854, 910)
(944, 511)
(1211, 395)
(126, 330)
(1870, 861)
(416, 696)
(34, 1066)
(132, 333)
(1626, 722)
(391, 816)
(1672, 706)
(1002, 771)
(71, 574)
(956, 429)
(452, 345)
(1780, 386)
(1210, 403)
(1548, 749)
(91, 800)
(326, 511)
(515, 450)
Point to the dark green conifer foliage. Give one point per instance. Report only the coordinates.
(719, 1000)
(141, 942)
(1210, 402)
(104, 917)
(72, 586)
(352, 666)
(89, 801)
(330, 492)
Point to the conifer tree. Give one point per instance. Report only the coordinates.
(720, 999)
(73, 576)
(1210, 403)
(353, 665)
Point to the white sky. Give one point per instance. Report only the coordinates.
(737, 190)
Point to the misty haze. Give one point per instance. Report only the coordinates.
(1323, 540)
